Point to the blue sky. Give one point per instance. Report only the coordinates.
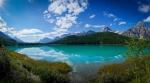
(32, 20)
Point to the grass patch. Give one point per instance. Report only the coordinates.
(18, 68)
(133, 70)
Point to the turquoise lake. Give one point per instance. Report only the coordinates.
(74, 54)
(82, 58)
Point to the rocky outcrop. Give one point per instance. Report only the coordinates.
(140, 30)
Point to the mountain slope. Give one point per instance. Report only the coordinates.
(138, 31)
(106, 29)
(6, 40)
(45, 40)
(96, 38)
(18, 40)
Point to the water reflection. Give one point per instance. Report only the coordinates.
(41, 54)
(83, 59)
(74, 54)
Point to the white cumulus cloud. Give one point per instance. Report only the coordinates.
(147, 19)
(27, 35)
(122, 23)
(3, 25)
(87, 26)
(145, 8)
(116, 20)
(29, 31)
(93, 26)
(64, 14)
(66, 22)
(92, 16)
(109, 15)
(1, 3)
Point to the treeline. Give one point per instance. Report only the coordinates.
(7, 42)
(96, 38)
(30, 44)
(11, 42)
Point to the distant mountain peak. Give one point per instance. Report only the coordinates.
(45, 40)
(140, 24)
(106, 29)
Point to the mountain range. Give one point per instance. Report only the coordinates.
(106, 35)
(45, 40)
(140, 30)
(95, 38)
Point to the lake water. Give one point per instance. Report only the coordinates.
(82, 58)
(74, 54)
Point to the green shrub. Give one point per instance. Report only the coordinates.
(136, 47)
(136, 68)
(133, 70)
(18, 68)
(54, 77)
(4, 65)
